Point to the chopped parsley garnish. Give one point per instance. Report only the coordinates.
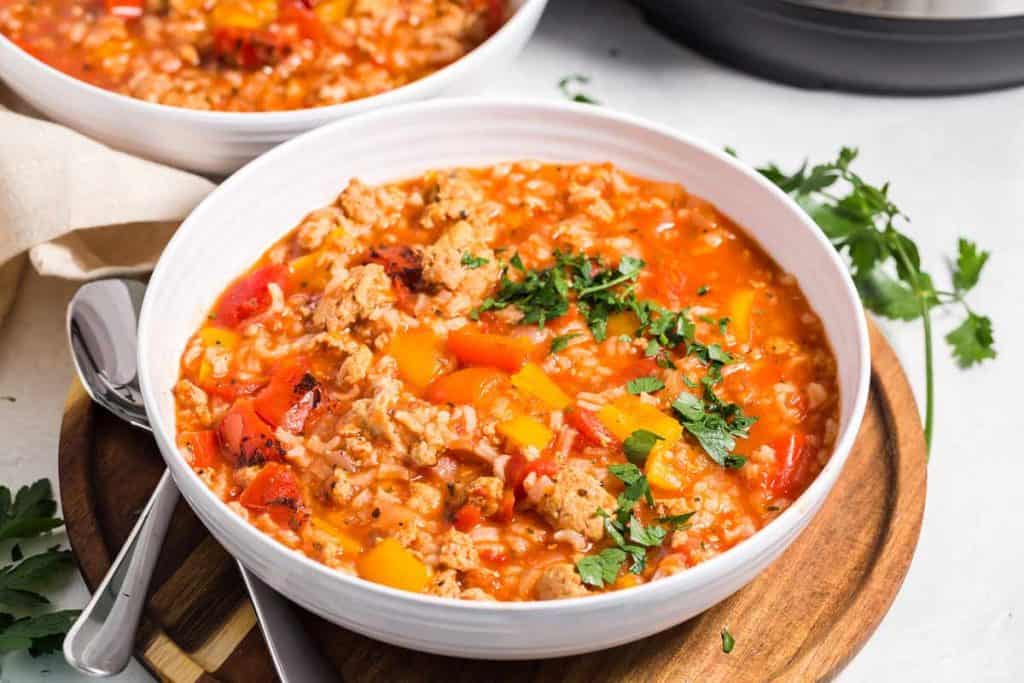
(715, 425)
(561, 342)
(644, 385)
(602, 290)
(596, 287)
(649, 536)
(540, 295)
(728, 642)
(702, 290)
(860, 220)
(566, 83)
(631, 537)
(473, 261)
(638, 444)
(678, 521)
(602, 568)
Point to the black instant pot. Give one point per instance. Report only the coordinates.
(889, 46)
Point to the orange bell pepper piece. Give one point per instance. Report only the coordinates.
(472, 347)
(420, 356)
(468, 386)
(389, 563)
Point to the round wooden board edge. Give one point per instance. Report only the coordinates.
(911, 476)
(907, 443)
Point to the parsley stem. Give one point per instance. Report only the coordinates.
(607, 285)
(926, 319)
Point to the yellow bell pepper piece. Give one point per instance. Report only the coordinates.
(332, 11)
(349, 545)
(741, 304)
(389, 563)
(534, 381)
(309, 271)
(662, 472)
(617, 422)
(623, 323)
(420, 356)
(628, 413)
(627, 580)
(526, 431)
(215, 336)
(250, 14)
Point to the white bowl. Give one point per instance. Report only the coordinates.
(263, 201)
(220, 142)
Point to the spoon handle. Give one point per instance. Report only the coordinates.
(295, 659)
(100, 641)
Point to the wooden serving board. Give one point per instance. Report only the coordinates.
(801, 620)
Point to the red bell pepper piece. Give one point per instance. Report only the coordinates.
(507, 509)
(249, 296)
(300, 13)
(248, 439)
(795, 466)
(518, 467)
(589, 426)
(290, 397)
(275, 490)
(467, 517)
(202, 446)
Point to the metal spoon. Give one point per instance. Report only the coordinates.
(102, 329)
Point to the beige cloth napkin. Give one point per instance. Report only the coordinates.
(77, 209)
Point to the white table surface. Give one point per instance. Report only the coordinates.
(956, 166)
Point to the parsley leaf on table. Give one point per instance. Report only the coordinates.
(41, 634)
(728, 642)
(29, 514)
(18, 582)
(861, 221)
(565, 86)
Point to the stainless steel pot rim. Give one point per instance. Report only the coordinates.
(935, 10)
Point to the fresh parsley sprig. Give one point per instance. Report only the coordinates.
(26, 515)
(860, 221)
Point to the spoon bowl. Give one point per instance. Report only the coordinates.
(102, 321)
